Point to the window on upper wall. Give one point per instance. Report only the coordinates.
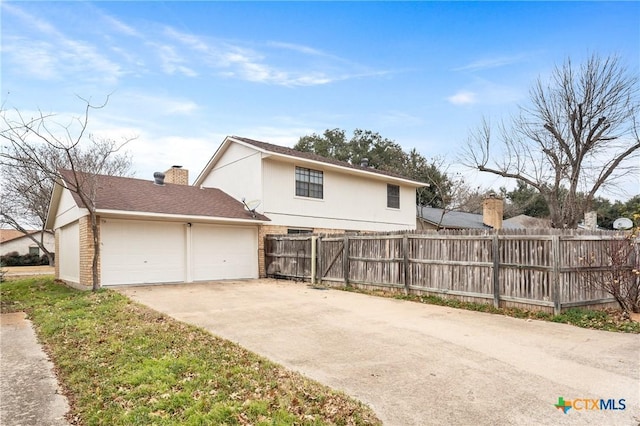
(34, 250)
(393, 196)
(309, 183)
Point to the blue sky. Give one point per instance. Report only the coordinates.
(183, 75)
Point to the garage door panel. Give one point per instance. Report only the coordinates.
(224, 252)
(138, 252)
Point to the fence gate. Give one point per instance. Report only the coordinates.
(331, 258)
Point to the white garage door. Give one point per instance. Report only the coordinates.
(224, 252)
(138, 252)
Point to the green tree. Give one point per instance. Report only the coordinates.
(525, 199)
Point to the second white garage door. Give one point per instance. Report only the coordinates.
(224, 252)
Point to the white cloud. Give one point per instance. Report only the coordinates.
(494, 62)
(57, 55)
(400, 118)
(297, 48)
(463, 98)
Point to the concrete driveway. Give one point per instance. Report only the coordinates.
(418, 364)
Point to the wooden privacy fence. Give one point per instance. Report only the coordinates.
(543, 270)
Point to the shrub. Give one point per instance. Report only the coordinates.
(15, 259)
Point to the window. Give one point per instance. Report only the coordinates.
(34, 250)
(292, 231)
(308, 183)
(393, 196)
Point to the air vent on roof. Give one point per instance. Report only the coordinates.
(364, 162)
(158, 178)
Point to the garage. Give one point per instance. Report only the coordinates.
(141, 252)
(145, 252)
(153, 232)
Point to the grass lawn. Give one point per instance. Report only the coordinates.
(121, 363)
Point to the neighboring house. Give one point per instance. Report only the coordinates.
(178, 233)
(12, 240)
(524, 221)
(152, 233)
(491, 218)
(305, 192)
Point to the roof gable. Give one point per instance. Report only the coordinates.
(124, 194)
(285, 152)
(7, 235)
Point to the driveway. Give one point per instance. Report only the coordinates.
(418, 364)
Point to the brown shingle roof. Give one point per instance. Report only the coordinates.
(139, 195)
(283, 150)
(12, 234)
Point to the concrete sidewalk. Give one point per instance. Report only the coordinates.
(419, 364)
(29, 393)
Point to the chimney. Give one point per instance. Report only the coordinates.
(177, 175)
(591, 220)
(492, 210)
(158, 178)
(364, 162)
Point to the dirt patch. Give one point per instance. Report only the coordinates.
(14, 272)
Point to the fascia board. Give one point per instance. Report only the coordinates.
(174, 217)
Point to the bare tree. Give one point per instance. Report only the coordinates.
(577, 135)
(40, 151)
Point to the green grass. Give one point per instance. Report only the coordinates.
(121, 363)
(608, 320)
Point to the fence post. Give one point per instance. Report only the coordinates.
(319, 255)
(314, 247)
(405, 251)
(557, 299)
(495, 247)
(345, 259)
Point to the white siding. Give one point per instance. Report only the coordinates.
(69, 257)
(22, 244)
(224, 252)
(238, 173)
(67, 211)
(350, 201)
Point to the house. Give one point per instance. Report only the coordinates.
(435, 218)
(491, 218)
(12, 240)
(214, 229)
(153, 232)
(305, 192)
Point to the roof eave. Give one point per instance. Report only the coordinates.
(54, 201)
(125, 214)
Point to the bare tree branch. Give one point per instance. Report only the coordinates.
(578, 133)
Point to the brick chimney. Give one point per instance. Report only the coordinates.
(177, 175)
(492, 210)
(591, 220)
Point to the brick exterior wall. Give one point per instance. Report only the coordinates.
(265, 230)
(177, 175)
(86, 252)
